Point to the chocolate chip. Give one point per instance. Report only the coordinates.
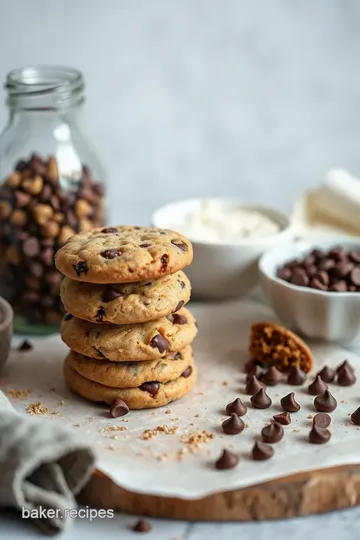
(355, 417)
(289, 403)
(110, 253)
(261, 400)
(25, 346)
(354, 256)
(179, 306)
(327, 374)
(233, 425)
(319, 435)
(339, 286)
(317, 284)
(111, 293)
(100, 314)
(299, 277)
(355, 276)
(144, 245)
(262, 451)
(318, 386)
(181, 245)
(109, 230)
(323, 277)
(227, 460)
(186, 374)
(160, 343)
(322, 420)
(68, 316)
(273, 376)
(142, 526)
(81, 268)
(325, 402)
(344, 364)
(151, 387)
(118, 408)
(272, 433)
(283, 418)
(345, 376)
(342, 269)
(253, 386)
(296, 376)
(182, 283)
(177, 355)
(285, 274)
(31, 247)
(237, 407)
(177, 318)
(164, 259)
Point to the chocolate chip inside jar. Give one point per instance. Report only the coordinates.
(336, 270)
(40, 208)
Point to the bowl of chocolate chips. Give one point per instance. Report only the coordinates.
(315, 288)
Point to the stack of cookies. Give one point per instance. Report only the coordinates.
(128, 330)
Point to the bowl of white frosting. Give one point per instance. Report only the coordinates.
(228, 237)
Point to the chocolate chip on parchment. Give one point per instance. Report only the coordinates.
(346, 376)
(296, 376)
(110, 253)
(319, 435)
(233, 425)
(262, 451)
(261, 400)
(160, 343)
(26, 345)
(187, 372)
(318, 386)
(151, 387)
(179, 306)
(325, 402)
(81, 268)
(111, 292)
(181, 245)
(273, 376)
(142, 526)
(227, 460)
(237, 407)
(355, 417)
(327, 374)
(344, 364)
(289, 403)
(253, 385)
(118, 408)
(283, 418)
(322, 420)
(272, 433)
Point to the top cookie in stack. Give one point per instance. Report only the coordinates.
(126, 288)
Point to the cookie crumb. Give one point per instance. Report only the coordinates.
(150, 433)
(37, 408)
(55, 413)
(197, 415)
(142, 526)
(76, 425)
(60, 403)
(111, 447)
(168, 411)
(193, 441)
(18, 394)
(114, 428)
(296, 430)
(310, 416)
(225, 383)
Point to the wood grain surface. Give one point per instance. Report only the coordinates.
(296, 495)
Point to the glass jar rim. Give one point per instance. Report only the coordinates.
(63, 85)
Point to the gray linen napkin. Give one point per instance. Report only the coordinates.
(42, 466)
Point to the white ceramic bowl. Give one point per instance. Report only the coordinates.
(223, 271)
(331, 316)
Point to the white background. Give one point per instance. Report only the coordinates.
(199, 97)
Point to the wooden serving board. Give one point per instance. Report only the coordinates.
(296, 495)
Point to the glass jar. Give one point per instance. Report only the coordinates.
(52, 186)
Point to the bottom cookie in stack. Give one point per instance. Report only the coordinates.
(140, 385)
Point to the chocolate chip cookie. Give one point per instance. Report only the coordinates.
(148, 395)
(123, 254)
(132, 374)
(127, 302)
(136, 342)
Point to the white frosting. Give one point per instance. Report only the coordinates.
(220, 221)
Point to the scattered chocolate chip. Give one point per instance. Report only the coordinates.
(256, 371)
(319, 435)
(68, 316)
(273, 376)
(283, 418)
(145, 245)
(237, 407)
(164, 259)
(253, 386)
(227, 460)
(100, 314)
(186, 374)
(25, 346)
(322, 420)
(262, 451)
(325, 402)
(118, 408)
(110, 253)
(181, 245)
(260, 400)
(151, 387)
(109, 230)
(296, 376)
(318, 386)
(355, 417)
(179, 306)
(345, 376)
(327, 374)
(111, 293)
(177, 318)
(289, 403)
(160, 343)
(272, 433)
(142, 526)
(81, 268)
(344, 364)
(233, 425)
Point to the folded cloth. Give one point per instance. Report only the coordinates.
(42, 466)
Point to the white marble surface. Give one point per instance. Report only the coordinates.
(198, 97)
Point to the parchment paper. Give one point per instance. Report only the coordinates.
(153, 465)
